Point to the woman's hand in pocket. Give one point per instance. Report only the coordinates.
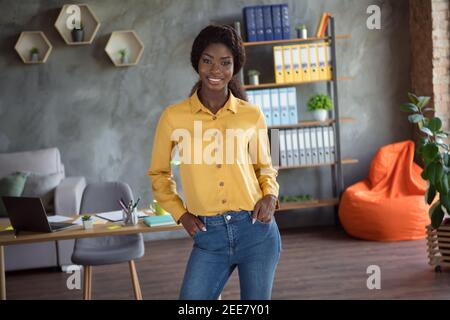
(192, 223)
(264, 209)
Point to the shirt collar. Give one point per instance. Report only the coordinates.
(197, 105)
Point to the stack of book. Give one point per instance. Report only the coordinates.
(162, 220)
(267, 22)
(307, 146)
(279, 105)
(303, 63)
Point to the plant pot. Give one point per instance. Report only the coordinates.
(78, 35)
(34, 57)
(254, 79)
(320, 115)
(88, 224)
(302, 33)
(124, 59)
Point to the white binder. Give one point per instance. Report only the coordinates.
(308, 146)
(267, 109)
(250, 96)
(283, 156)
(275, 107)
(332, 146)
(284, 106)
(314, 151)
(326, 145)
(320, 149)
(301, 146)
(289, 150)
(292, 105)
(295, 152)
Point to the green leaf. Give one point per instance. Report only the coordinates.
(415, 118)
(427, 131)
(413, 98)
(409, 107)
(430, 194)
(435, 124)
(436, 173)
(436, 216)
(429, 152)
(423, 101)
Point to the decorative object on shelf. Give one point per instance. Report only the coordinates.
(126, 40)
(297, 198)
(34, 54)
(302, 32)
(33, 47)
(253, 77)
(78, 33)
(435, 154)
(319, 105)
(123, 56)
(129, 212)
(88, 222)
(71, 17)
(323, 24)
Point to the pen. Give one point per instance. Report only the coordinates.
(123, 207)
(135, 205)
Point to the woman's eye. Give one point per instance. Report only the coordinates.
(226, 63)
(205, 60)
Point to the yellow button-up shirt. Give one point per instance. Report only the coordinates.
(215, 177)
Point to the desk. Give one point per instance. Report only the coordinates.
(7, 238)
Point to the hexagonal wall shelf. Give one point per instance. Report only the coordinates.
(126, 40)
(29, 40)
(88, 19)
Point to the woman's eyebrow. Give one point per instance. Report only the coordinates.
(211, 56)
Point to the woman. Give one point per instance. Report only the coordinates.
(229, 203)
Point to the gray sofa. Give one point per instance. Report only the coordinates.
(67, 199)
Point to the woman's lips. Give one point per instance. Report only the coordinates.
(214, 81)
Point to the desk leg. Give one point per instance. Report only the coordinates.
(2, 274)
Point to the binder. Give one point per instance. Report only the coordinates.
(267, 18)
(329, 62)
(278, 64)
(275, 107)
(283, 156)
(307, 133)
(320, 149)
(284, 111)
(295, 55)
(289, 150)
(321, 55)
(259, 22)
(292, 105)
(266, 106)
(326, 144)
(304, 60)
(276, 22)
(257, 96)
(288, 69)
(286, 26)
(250, 23)
(313, 62)
(332, 145)
(295, 153)
(314, 150)
(274, 142)
(301, 147)
(250, 96)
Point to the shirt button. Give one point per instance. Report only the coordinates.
(224, 201)
(214, 117)
(221, 183)
(228, 217)
(219, 166)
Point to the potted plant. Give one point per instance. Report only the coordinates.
(34, 54)
(88, 222)
(319, 105)
(434, 152)
(302, 32)
(253, 76)
(123, 56)
(78, 33)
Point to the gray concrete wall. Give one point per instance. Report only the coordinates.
(103, 118)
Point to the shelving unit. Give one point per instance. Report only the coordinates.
(89, 20)
(33, 39)
(128, 40)
(334, 122)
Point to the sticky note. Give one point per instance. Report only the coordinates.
(9, 228)
(114, 227)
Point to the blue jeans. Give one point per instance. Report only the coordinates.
(230, 241)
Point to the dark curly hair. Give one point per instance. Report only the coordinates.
(228, 36)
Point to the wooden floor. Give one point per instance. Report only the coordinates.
(320, 263)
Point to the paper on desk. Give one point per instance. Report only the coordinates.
(58, 218)
(116, 216)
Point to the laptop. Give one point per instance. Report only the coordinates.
(28, 214)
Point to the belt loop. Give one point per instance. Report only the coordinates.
(204, 220)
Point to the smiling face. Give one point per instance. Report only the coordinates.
(215, 67)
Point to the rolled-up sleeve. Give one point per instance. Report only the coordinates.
(160, 171)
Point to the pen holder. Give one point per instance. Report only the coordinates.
(130, 218)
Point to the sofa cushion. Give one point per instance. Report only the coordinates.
(11, 185)
(43, 186)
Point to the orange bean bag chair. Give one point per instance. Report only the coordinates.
(389, 205)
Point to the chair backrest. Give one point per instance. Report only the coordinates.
(104, 196)
(44, 161)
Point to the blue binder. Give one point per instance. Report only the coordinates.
(276, 22)
(286, 26)
(268, 31)
(250, 23)
(284, 106)
(259, 18)
(292, 105)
